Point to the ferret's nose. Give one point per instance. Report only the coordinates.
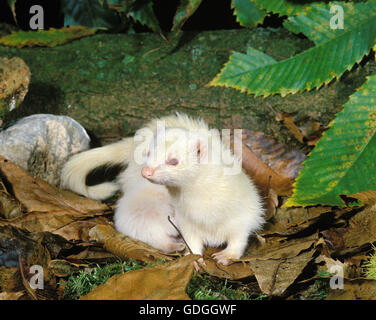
(147, 172)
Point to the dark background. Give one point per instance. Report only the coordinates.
(211, 15)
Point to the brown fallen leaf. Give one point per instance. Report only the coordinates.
(79, 230)
(275, 276)
(271, 164)
(10, 280)
(366, 197)
(288, 221)
(278, 156)
(360, 289)
(11, 295)
(312, 131)
(309, 132)
(289, 122)
(162, 282)
(264, 176)
(93, 254)
(126, 247)
(48, 208)
(360, 231)
(279, 247)
(9, 207)
(234, 271)
(277, 262)
(64, 268)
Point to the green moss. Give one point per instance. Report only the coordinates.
(206, 287)
(370, 266)
(82, 283)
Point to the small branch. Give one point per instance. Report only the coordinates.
(176, 228)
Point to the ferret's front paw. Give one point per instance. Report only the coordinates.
(224, 257)
(198, 263)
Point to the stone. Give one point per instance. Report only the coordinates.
(42, 143)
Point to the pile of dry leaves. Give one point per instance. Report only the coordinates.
(63, 232)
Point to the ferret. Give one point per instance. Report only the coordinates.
(214, 204)
(142, 211)
(181, 178)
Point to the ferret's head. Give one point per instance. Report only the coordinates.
(173, 157)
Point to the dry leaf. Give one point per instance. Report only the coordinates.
(271, 164)
(63, 268)
(163, 282)
(288, 121)
(354, 290)
(277, 262)
(275, 276)
(125, 247)
(48, 208)
(312, 132)
(234, 271)
(93, 254)
(11, 295)
(288, 221)
(263, 176)
(360, 232)
(278, 248)
(79, 230)
(366, 197)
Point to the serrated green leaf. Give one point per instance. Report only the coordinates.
(307, 70)
(247, 13)
(45, 38)
(315, 23)
(89, 13)
(343, 161)
(184, 11)
(144, 14)
(283, 7)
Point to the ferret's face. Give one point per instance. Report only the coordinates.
(172, 160)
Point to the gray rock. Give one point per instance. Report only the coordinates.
(42, 143)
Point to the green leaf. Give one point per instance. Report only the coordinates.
(315, 23)
(307, 70)
(89, 13)
(184, 11)
(247, 14)
(45, 38)
(144, 14)
(283, 7)
(343, 161)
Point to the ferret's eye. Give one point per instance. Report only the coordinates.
(172, 162)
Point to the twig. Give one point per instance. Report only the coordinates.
(176, 228)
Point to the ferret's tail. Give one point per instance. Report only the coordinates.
(73, 175)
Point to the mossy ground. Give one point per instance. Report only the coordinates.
(113, 83)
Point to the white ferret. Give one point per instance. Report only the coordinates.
(211, 204)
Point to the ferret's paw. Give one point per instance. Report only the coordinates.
(199, 263)
(224, 257)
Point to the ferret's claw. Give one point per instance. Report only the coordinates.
(198, 263)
